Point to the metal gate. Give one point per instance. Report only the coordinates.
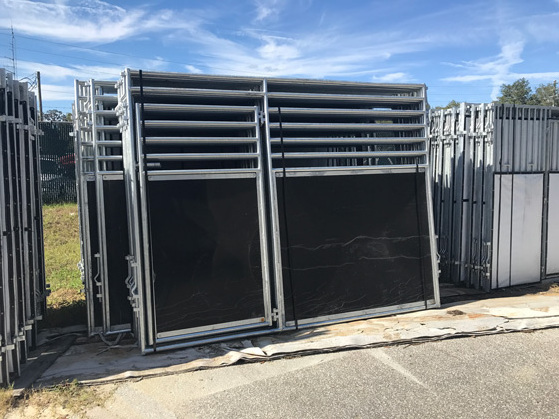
(349, 199)
(102, 203)
(204, 247)
(256, 205)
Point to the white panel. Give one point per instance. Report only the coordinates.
(501, 231)
(526, 229)
(553, 226)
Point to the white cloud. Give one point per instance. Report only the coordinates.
(544, 27)
(86, 21)
(496, 69)
(266, 9)
(58, 81)
(398, 77)
(317, 54)
(54, 72)
(275, 50)
(55, 92)
(546, 76)
(193, 69)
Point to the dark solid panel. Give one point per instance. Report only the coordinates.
(116, 229)
(205, 247)
(94, 249)
(355, 243)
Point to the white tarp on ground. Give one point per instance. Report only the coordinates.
(96, 363)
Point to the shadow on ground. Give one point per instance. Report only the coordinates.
(63, 315)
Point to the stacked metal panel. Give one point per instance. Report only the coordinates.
(348, 199)
(257, 205)
(493, 171)
(22, 280)
(102, 203)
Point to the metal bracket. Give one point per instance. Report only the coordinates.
(275, 314)
(261, 117)
(130, 282)
(95, 280)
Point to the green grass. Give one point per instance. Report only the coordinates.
(66, 304)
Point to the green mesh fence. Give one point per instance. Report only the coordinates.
(58, 175)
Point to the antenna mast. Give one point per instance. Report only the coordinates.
(14, 61)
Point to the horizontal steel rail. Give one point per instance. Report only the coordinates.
(200, 156)
(348, 140)
(350, 154)
(200, 124)
(199, 140)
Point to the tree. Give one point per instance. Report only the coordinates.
(518, 93)
(546, 95)
(451, 104)
(54, 115)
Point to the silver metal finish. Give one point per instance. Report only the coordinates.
(552, 257)
(493, 221)
(22, 272)
(518, 228)
(182, 127)
(99, 160)
(232, 123)
(358, 315)
(344, 129)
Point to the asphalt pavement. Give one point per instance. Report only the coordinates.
(510, 375)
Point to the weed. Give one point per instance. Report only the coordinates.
(62, 400)
(6, 400)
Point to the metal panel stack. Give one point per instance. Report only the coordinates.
(22, 280)
(493, 174)
(257, 205)
(102, 203)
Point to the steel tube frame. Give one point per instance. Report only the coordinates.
(363, 147)
(22, 281)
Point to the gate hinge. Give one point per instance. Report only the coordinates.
(275, 314)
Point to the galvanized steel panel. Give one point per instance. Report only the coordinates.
(553, 153)
(552, 262)
(517, 229)
(468, 144)
(502, 224)
(22, 280)
(527, 202)
(197, 129)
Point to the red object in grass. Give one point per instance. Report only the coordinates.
(67, 160)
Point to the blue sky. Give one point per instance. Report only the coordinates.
(463, 50)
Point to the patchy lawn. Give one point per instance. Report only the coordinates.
(61, 401)
(66, 304)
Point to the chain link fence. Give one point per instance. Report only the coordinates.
(58, 174)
